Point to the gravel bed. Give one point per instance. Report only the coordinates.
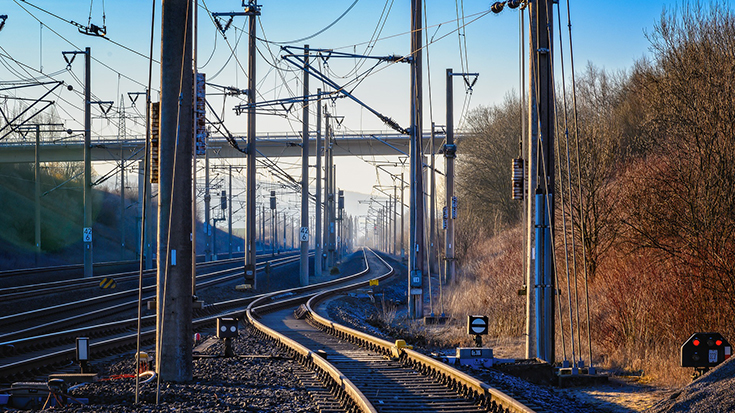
(713, 392)
(261, 379)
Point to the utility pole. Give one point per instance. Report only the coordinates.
(274, 226)
(318, 206)
(304, 232)
(262, 226)
(333, 213)
(450, 150)
(395, 217)
(417, 254)
(37, 192)
(146, 213)
(340, 218)
(139, 211)
(88, 271)
(121, 134)
(403, 225)
(252, 11)
(229, 216)
(207, 206)
(175, 269)
(329, 193)
(540, 214)
(432, 207)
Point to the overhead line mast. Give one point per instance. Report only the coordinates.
(417, 253)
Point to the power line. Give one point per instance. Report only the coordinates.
(322, 30)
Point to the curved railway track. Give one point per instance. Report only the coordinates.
(366, 373)
(363, 373)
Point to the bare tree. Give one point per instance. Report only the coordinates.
(483, 166)
(606, 132)
(683, 205)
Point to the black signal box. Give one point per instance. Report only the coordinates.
(227, 327)
(705, 350)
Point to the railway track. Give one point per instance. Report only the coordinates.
(66, 315)
(24, 355)
(19, 277)
(365, 373)
(38, 289)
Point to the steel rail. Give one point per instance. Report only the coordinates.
(53, 355)
(465, 385)
(203, 280)
(50, 287)
(326, 371)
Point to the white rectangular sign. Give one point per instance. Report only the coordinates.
(87, 236)
(304, 234)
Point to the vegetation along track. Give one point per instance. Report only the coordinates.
(366, 373)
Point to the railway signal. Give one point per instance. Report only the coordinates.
(226, 330)
(478, 326)
(703, 351)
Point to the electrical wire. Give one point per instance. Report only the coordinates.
(324, 29)
(25, 68)
(569, 181)
(579, 183)
(75, 46)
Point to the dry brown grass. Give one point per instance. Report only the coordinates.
(488, 284)
(642, 309)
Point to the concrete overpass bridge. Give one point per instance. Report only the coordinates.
(368, 143)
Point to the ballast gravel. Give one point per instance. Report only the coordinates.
(260, 379)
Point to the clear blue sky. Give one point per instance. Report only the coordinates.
(609, 34)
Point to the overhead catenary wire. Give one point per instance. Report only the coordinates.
(77, 47)
(569, 181)
(579, 189)
(322, 30)
(77, 25)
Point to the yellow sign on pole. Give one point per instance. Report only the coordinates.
(373, 282)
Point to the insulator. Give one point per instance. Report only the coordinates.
(513, 3)
(497, 7)
(518, 176)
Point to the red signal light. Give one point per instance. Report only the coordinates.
(718, 342)
(695, 342)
